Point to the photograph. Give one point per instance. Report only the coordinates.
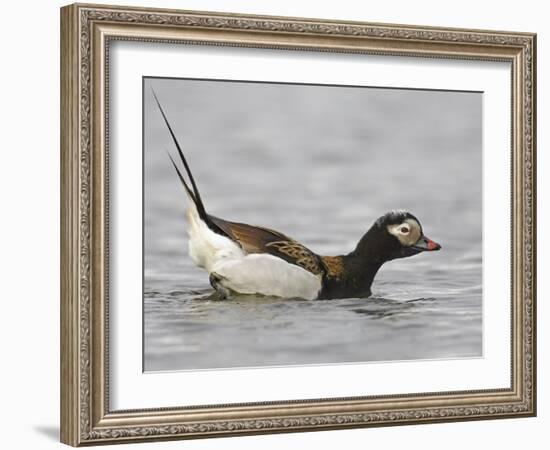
(289, 224)
(284, 223)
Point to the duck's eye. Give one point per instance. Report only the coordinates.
(404, 230)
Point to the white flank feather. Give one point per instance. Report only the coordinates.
(206, 248)
(264, 274)
(247, 273)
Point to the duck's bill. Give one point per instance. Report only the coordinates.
(425, 244)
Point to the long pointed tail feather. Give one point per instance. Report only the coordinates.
(183, 182)
(197, 197)
(193, 192)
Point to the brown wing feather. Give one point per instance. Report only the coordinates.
(252, 239)
(296, 253)
(334, 266)
(255, 239)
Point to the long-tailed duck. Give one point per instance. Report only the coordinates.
(249, 259)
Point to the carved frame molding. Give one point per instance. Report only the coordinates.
(86, 32)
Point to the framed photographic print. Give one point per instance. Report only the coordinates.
(275, 224)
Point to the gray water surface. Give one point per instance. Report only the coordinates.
(319, 164)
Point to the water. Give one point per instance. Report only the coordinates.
(319, 164)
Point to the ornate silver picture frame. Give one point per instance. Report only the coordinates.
(87, 34)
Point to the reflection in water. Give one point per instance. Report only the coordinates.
(319, 164)
(380, 312)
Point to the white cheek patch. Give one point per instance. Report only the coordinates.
(407, 232)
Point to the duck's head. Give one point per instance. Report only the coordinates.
(397, 234)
